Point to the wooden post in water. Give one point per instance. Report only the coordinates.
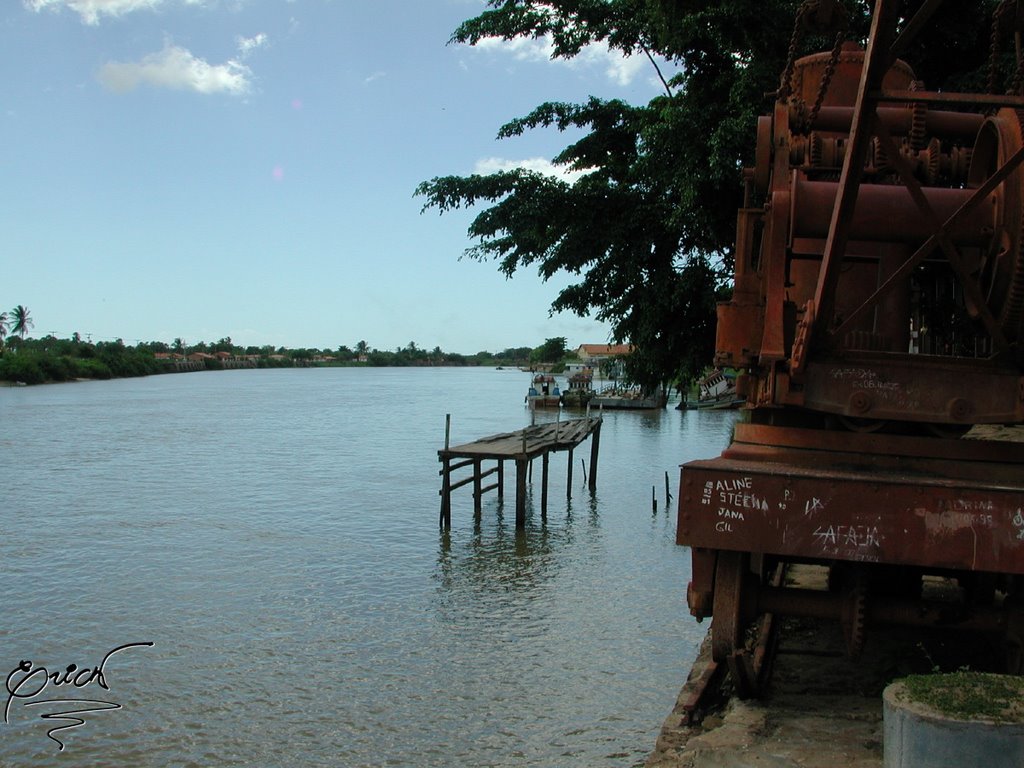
(568, 480)
(501, 479)
(521, 493)
(445, 519)
(477, 492)
(544, 486)
(595, 442)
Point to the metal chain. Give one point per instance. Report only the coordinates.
(786, 86)
(1018, 78)
(826, 78)
(994, 39)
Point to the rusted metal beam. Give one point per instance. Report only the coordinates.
(877, 60)
(980, 100)
(976, 305)
(979, 195)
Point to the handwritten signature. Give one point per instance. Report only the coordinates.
(27, 681)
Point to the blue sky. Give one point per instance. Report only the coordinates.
(246, 168)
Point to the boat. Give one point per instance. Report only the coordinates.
(629, 399)
(544, 392)
(580, 391)
(716, 391)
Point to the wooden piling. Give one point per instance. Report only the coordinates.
(595, 442)
(445, 520)
(522, 447)
(568, 479)
(544, 486)
(521, 493)
(477, 493)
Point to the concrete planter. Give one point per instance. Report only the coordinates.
(960, 719)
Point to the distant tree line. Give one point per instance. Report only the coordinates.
(50, 359)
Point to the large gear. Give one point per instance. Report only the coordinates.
(1002, 271)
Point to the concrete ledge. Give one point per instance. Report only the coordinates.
(934, 732)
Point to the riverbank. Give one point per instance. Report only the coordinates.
(821, 709)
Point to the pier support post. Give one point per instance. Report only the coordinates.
(568, 479)
(595, 442)
(445, 520)
(521, 493)
(544, 486)
(477, 492)
(501, 479)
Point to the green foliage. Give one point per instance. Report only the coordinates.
(551, 351)
(22, 368)
(90, 368)
(649, 226)
(21, 321)
(968, 695)
(649, 229)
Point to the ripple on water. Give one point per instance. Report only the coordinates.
(274, 533)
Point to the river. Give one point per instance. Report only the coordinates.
(270, 541)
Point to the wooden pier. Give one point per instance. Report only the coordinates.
(522, 447)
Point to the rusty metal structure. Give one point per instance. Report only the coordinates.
(877, 314)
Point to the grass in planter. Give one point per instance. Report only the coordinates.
(967, 695)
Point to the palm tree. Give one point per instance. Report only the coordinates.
(20, 321)
(3, 328)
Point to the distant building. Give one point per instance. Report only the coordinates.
(593, 354)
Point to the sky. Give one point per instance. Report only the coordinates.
(201, 169)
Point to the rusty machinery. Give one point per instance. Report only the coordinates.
(877, 313)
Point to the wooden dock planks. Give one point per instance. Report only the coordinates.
(521, 446)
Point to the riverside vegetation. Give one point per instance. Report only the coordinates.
(49, 359)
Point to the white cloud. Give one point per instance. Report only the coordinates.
(489, 165)
(247, 45)
(177, 69)
(618, 68)
(520, 48)
(91, 10)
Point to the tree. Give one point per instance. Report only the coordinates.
(649, 228)
(551, 351)
(223, 345)
(650, 208)
(3, 328)
(21, 321)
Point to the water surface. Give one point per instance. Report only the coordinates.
(274, 535)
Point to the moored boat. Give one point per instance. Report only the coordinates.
(580, 390)
(716, 391)
(544, 392)
(628, 399)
